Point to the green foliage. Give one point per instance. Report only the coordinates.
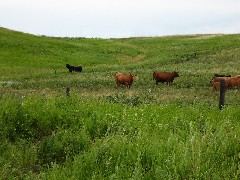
(115, 140)
(58, 147)
(121, 98)
(103, 132)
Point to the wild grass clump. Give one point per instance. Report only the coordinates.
(62, 146)
(73, 137)
(190, 142)
(129, 100)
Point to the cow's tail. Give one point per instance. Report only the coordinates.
(153, 75)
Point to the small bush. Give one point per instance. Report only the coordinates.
(65, 144)
(121, 98)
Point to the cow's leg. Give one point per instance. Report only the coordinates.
(117, 84)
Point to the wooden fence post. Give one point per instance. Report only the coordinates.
(68, 91)
(222, 94)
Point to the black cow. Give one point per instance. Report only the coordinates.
(74, 68)
(221, 75)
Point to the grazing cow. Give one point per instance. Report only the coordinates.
(163, 77)
(218, 78)
(233, 82)
(74, 68)
(216, 86)
(124, 79)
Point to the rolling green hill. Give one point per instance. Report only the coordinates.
(100, 132)
(38, 62)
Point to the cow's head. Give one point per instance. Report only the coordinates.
(133, 76)
(176, 74)
(116, 74)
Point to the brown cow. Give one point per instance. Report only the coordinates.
(216, 86)
(233, 82)
(163, 77)
(124, 79)
(218, 79)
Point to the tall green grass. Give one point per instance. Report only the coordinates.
(69, 137)
(101, 132)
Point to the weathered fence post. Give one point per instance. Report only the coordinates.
(222, 94)
(68, 91)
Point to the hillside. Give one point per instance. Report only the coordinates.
(100, 132)
(38, 63)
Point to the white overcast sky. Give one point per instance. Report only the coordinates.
(120, 18)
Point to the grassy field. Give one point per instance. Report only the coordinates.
(100, 132)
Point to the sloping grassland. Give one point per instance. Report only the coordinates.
(100, 132)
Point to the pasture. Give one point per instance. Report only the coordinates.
(149, 131)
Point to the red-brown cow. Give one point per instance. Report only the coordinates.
(233, 82)
(218, 79)
(124, 79)
(163, 77)
(216, 86)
